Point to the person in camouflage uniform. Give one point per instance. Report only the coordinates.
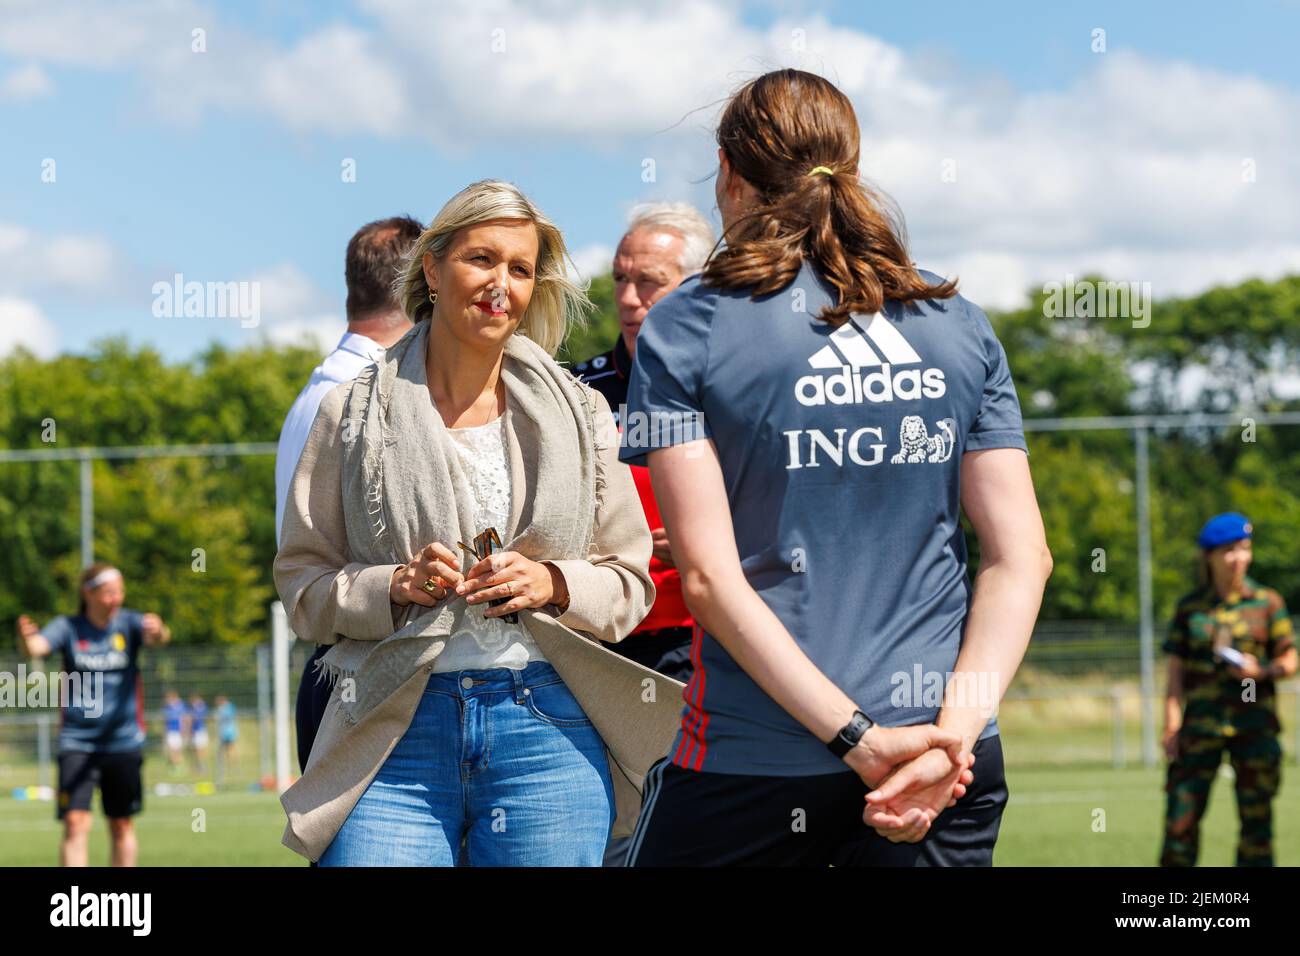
(1220, 701)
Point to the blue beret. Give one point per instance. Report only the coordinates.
(1223, 529)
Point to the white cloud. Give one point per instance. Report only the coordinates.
(321, 333)
(1148, 170)
(563, 68)
(288, 290)
(336, 82)
(295, 311)
(1107, 177)
(86, 33)
(63, 264)
(1000, 280)
(331, 80)
(1116, 173)
(593, 260)
(21, 323)
(429, 71)
(25, 83)
(1092, 165)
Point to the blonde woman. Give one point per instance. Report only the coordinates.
(457, 731)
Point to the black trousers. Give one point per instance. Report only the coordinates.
(693, 818)
(313, 697)
(116, 774)
(668, 651)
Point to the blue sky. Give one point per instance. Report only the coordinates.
(1170, 157)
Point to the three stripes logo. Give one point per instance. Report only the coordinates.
(863, 367)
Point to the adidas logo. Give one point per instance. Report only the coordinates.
(864, 364)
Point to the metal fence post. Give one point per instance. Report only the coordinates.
(1117, 724)
(263, 711)
(87, 509)
(280, 675)
(43, 750)
(1146, 628)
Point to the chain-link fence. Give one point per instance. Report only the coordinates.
(29, 735)
(1077, 699)
(1088, 693)
(1077, 702)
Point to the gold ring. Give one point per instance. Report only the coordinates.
(430, 585)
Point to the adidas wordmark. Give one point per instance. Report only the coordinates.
(865, 364)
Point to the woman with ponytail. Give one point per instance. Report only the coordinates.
(816, 413)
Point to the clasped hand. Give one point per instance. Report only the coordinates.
(915, 773)
(505, 574)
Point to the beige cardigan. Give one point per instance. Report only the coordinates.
(635, 710)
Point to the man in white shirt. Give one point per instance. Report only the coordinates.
(375, 322)
(353, 353)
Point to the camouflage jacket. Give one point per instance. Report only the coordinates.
(1253, 621)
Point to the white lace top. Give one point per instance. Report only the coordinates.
(491, 642)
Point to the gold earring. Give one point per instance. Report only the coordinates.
(433, 296)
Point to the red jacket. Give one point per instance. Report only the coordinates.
(608, 374)
(669, 608)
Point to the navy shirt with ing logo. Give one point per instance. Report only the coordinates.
(841, 450)
(111, 721)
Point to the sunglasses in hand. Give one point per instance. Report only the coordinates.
(486, 543)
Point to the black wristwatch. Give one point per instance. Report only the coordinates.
(851, 733)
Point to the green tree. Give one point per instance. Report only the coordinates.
(151, 515)
(602, 328)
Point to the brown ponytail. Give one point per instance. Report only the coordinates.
(774, 131)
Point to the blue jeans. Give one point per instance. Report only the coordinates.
(499, 767)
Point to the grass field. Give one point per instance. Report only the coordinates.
(1058, 775)
(1049, 822)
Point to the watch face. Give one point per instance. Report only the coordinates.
(849, 736)
(852, 731)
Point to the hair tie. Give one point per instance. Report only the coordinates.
(821, 169)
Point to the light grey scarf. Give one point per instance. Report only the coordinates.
(403, 488)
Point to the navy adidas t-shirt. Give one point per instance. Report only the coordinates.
(841, 452)
(113, 722)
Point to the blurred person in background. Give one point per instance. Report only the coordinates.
(664, 243)
(1230, 640)
(227, 731)
(175, 719)
(198, 733)
(375, 322)
(101, 727)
